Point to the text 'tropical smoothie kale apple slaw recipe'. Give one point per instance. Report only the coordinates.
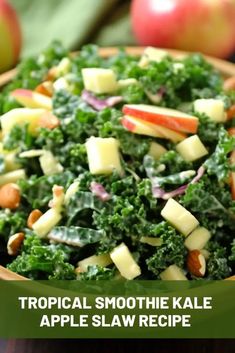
(118, 167)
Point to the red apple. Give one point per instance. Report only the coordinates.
(138, 127)
(143, 127)
(206, 26)
(31, 99)
(169, 118)
(10, 36)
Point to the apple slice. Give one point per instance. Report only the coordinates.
(31, 99)
(21, 116)
(142, 127)
(138, 127)
(169, 118)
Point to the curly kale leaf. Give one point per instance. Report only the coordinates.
(125, 216)
(80, 201)
(172, 251)
(11, 222)
(208, 131)
(168, 164)
(232, 255)
(31, 72)
(76, 236)
(19, 138)
(218, 163)
(97, 273)
(38, 260)
(193, 78)
(217, 265)
(211, 204)
(37, 191)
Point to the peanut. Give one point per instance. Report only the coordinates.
(10, 196)
(14, 243)
(33, 217)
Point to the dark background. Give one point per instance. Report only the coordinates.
(117, 346)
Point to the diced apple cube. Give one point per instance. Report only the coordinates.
(57, 201)
(152, 54)
(21, 116)
(197, 239)
(191, 149)
(124, 261)
(99, 80)
(151, 241)
(49, 164)
(46, 222)
(103, 155)
(61, 84)
(127, 82)
(173, 273)
(100, 260)
(156, 150)
(179, 217)
(213, 108)
(11, 162)
(12, 177)
(63, 67)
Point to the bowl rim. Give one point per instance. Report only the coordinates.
(227, 69)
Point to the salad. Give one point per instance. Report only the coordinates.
(117, 168)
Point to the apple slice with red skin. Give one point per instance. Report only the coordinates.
(138, 127)
(141, 127)
(31, 99)
(169, 118)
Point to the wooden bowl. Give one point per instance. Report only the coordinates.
(227, 69)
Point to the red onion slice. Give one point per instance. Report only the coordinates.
(99, 104)
(98, 190)
(162, 194)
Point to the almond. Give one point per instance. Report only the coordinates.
(196, 263)
(45, 88)
(49, 121)
(10, 196)
(14, 243)
(33, 217)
